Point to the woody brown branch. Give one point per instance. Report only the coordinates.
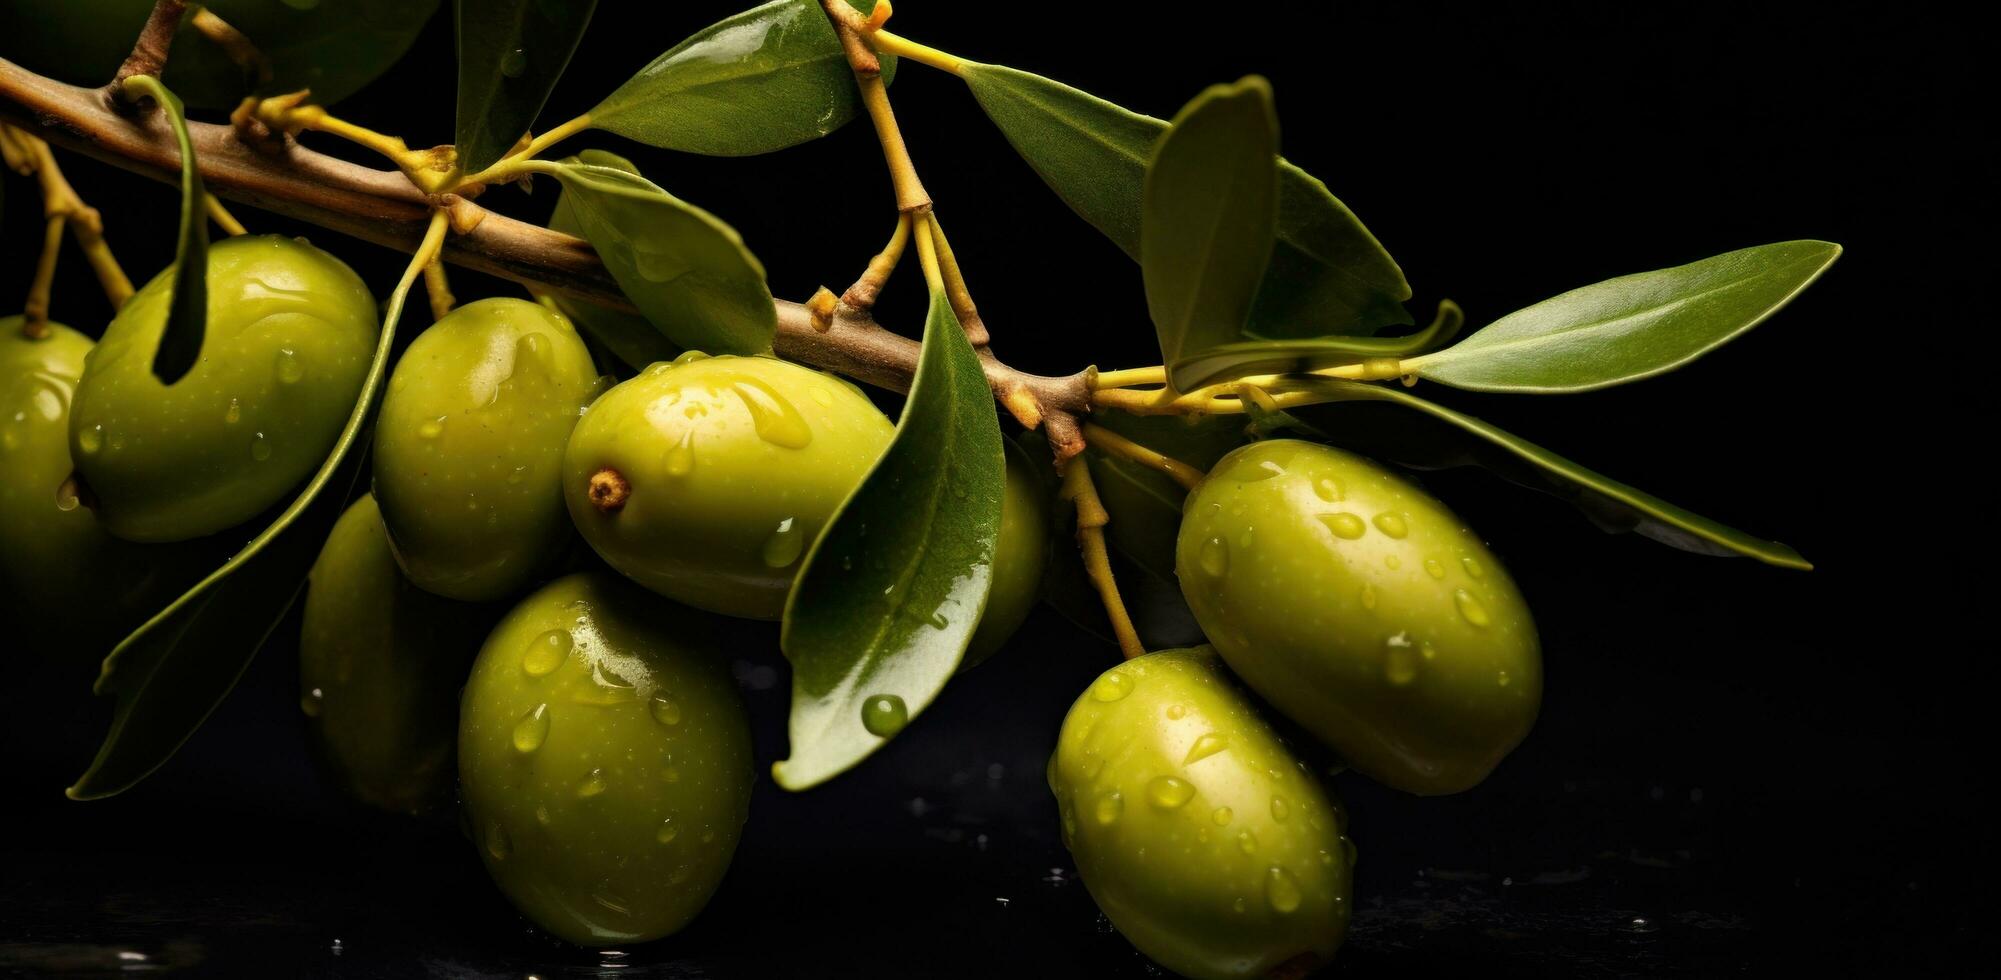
(383, 208)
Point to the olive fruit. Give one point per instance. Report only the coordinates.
(604, 760)
(1018, 557)
(469, 446)
(706, 478)
(330, 46)
(60, 571)
(1362, 609)
(380, 666)
(291, 331)
(1195, 829)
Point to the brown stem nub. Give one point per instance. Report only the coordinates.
(149, 52)
(609, 490)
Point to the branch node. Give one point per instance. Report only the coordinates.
(822, 306)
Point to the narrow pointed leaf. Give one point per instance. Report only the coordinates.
(1248, 357)
(890, 593)
(1207, 214)
(1632, 327)
(628, 336)
(511, 52)
(687, 271)
(170, 674)
(770, 77)
(1724, 539)
(187, 314)
(1328, 274)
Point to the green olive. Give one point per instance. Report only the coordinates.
(60, 571)
(469, 447)
(291, 331)
(1364, 610)
(380, 666)
(604, 760)
(1202, 838)
(705, 479)
(1018, 557)
(333, 47)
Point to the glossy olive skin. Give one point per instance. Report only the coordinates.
(1362, 609)
(1202, 838)
(733, 464)
(291, 331)
(604, 760)
(61, 574)
(469, 447)
(380, 666)
(330, 46)
(1019, 554)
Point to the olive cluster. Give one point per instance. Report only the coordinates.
(578, 700)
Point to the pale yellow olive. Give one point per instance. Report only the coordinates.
(1202, 838)
(1364, 610)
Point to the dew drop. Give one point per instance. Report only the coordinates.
(884, 715)
(1169, 793)
(1222, 816)
(1110, 686)
(1471, 609)
(665, 710)
(1247, 842)
(432, 428)
(1238, 905)
(311, 701)
(1503, 679)
(1207, 745)
(1392, 562)
(531, 729)
(546, 653)
(1433, 568)
(1108, 808)
(1473, 567)
(592, 785)
(821, 396)
(260, 447)
(1368, 597)
(515, 63)
(1399, 660)
(1265, 470)
(1214, 557)
(542, 815)
(1281, 890)
(1280, 809)
(1430, 652)
(1391, 524)
(667, 831)
(775, 419)
(782, 548)
(1327, 489)
(517, 474)
(90, 440)
(234, 414)
(497, 842)
(1175, 712)
(680, 458)
(1344, 525)
(288, 367)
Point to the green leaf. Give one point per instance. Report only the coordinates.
(892, 590)
(1327, 273)
(771, 77)
(1631, 327)
(1244, 358)
(1207, 215)
(687, 271)
(170, 674)
(626, 335)
(511, 52)
(187, 316)
(1723, 539)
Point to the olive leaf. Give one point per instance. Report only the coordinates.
(170, 674)
(511, 52)
(889, 595)
(1228, 361)
(1207, 214)
(187, 315)
(626, 335)
(770, 77)
(1673, 521)
(687, 271)
(1328, 274)
(1632, 327)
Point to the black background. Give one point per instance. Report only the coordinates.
(1737, 769)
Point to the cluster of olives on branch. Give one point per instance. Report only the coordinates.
(592, 732)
